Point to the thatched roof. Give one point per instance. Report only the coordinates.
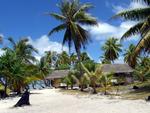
(116, 68)
(58, 74)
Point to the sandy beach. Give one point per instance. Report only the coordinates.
(53, 101)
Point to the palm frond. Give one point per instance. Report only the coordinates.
(84, 7)
(58, 16)
(57, 29)
(144, 44)
(133, 30)
(146, 26)
(67, 38)
(145, 1)
(134, 14)
(85, 18)
(10, 39)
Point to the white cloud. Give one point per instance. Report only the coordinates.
(132, 5)
(1, 52)
(43, 44)
(1, 35)
(1, 38)
(106, 30)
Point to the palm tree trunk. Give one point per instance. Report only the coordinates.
(81, 88)
(71, 86)
(94, 88)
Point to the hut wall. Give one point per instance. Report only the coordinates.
(126, 77)
(56, 82)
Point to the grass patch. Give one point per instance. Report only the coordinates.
(125, 91)
(141, 93)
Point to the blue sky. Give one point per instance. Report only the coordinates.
(26, 18)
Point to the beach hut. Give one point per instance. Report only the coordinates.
(56, 76)
(123, 71)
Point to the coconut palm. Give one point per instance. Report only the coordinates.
(105, 81)
(48, 57)
(6, 61)
(145, 61)
(81, 81)
(15, 71)
(84, 56)
(142, 69)
(72, 15)
(16, 65)
(111, 49)
(142, 17)
(63, 61)
(92, 76)
(128, 56)
(23, 49)
(63, 58)
(69, 80)
(43, 68)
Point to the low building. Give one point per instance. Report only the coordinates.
(122, 71)
(56, 76)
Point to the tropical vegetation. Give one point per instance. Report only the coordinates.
(111, 49)
(19, 68)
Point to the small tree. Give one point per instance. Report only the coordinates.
(92, 76)
(69, 80)
(105, 80)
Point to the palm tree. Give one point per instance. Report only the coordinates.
(63, 58)
(63, 61)
(16, 64)
(84, 56)
(73, 14)
(48, 57)
(15, 71)
(105, 80)
(92, 76)
(142, 17)
(69, 80)
(23, 49)
(5, 64)
(142, 69)
(128, 56)
(44, 69)
(111, 49)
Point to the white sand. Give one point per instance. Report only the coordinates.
(52, 101)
